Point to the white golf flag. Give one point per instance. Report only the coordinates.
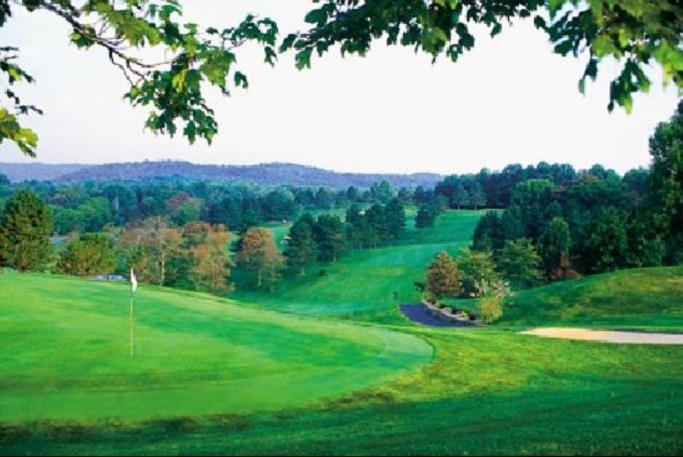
(133, 281)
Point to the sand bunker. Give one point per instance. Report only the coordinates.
(607, 336)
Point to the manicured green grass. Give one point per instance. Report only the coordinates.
(488, 392)
(368, 284)
(65, 354)
(643, 298)
(338, 386)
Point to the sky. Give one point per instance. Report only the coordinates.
(510, 100)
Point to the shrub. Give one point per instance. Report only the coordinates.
(491, 302)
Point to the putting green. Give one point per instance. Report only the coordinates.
(65, 353)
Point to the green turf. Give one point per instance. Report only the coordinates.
(65, 355)
(368, 284)
(649, 298)
(489, 392)
(485, 391)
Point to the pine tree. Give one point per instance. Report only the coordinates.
(25, 229)
(301, 247)
(443, 279)
(426, 216)
(395, 218)
(330, 235)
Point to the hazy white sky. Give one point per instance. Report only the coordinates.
(509, 100)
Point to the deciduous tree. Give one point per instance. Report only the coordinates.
(443, 279)
(259, 253)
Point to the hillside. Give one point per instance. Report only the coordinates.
(18, 172)
(639, 298)
(368, 284)
(264, 174)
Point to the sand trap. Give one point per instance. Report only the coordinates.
(607, 336)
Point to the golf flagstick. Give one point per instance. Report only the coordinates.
(133, 288)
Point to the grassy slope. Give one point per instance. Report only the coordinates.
(367, 284)
(486, 391)
(650, 298)
(65, 356)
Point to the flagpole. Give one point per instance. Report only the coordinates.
(130, 321)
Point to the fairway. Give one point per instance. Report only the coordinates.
(368, 284)
(65, 353)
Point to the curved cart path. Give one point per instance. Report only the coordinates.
(606, 336)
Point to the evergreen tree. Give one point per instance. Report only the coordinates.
(25, 229)
(395, 218)
(488, 233)
(666, 148)
(301, 247)
(607, 243)
(377, 219)
(426, 216)
(330, 236)
(443, 279)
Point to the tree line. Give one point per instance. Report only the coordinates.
(93, 206)
(197, 255)
(559, 227)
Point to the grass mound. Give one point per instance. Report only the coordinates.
(647, 298)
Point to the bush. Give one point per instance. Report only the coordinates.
(491, 308)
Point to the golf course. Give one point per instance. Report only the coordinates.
(329, 364)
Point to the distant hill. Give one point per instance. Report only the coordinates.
(18, 172)
(265, 174)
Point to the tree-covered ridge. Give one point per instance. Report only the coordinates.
(265, 174)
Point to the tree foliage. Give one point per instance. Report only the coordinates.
(519, 263)
(301, 245)
(88, 254)
(171, 84)
(259, 253)
(634, 33)
(189, 58)
(25, 230)
(443, 278)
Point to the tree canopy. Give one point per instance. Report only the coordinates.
(186, 58)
